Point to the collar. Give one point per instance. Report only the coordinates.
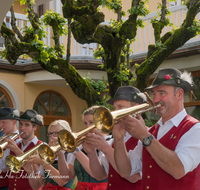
(176, 120)
(34, 141)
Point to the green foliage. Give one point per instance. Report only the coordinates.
(60, 21)
(156, 19)
(45, 52)
(195, 27)
(160, 45)
(23, 2)
(99, 86)
(116, 25)
(114, 5)
(142, 9)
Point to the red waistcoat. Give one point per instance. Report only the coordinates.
(153, 177)
(115, 181)
(19, 181)
(4, 181)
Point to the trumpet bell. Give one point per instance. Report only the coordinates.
(103, 120)
(47, 154)
(67, 141)
(13, 163)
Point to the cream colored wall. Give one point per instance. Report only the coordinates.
(31, 91)
(14, 86)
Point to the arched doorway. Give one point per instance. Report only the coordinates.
(52, 106)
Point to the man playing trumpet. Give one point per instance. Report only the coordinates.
(28, 122)
(8, 125)
(125, 97)
(167, 154)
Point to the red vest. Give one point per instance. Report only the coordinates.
(115, 181)
(153, 177)
(4, 182)
(20, 180)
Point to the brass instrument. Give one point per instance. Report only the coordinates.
(69, 141)
(104, 121)
(14, 163)
(105, 118)
(47, 153)
(4, 144)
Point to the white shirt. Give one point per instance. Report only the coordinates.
(103, 158)
(5, 154)
(187, 149)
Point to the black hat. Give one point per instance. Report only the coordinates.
(128, 93)
(9, 113)
(173, 77)
(32, 116)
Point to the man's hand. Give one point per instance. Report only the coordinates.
(135, 126)
(118, 131)
(13, 146)
(97, 139)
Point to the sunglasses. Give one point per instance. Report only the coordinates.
(55, 133)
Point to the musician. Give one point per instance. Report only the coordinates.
(125, 97)
(25, 179)
(167, 154)
(53, 179)
(8, 124)
(79, 166)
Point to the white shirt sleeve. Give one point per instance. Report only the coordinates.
(103, 158)
(188, 148)
(2, 160)
(136, 159)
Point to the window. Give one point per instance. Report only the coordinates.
(40, 10)
(52, 106)
(87, 49)
(5, 100)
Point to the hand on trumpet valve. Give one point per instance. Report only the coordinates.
(96, 139)
(11, 144)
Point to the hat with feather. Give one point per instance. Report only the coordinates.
(173, 77)
(9, 113)
(32, 116)
(128, 93)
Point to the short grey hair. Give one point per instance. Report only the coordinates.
(176, 88)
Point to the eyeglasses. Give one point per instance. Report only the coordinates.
(55, 133)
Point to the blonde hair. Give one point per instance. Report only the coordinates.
(62, 124)
(89, 111)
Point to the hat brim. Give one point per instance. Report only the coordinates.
(184, 85)
(8, 117)
(111, 101)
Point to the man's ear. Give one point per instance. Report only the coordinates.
(180, 94)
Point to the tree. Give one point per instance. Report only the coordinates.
(84, 18)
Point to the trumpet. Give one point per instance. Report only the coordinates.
(15, 163)
(103, 118)
(4, 144)
(47, 153)
(69, 141)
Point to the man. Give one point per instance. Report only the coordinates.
(28, 123)
(125, 97)
(169, 151)
(8, 125)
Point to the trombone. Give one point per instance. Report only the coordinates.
(4, 144)
(14, 163)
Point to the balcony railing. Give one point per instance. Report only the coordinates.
(144, 36)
